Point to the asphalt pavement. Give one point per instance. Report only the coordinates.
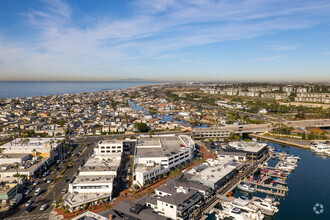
(50, 191)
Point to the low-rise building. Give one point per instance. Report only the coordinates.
(211, 132)
(96, 178)
(254, 150)
(8, 191)
(157, 155)
(214, 173)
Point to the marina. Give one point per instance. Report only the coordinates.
(296, 203)
(255, 193)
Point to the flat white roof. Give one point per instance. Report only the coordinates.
(162, 146)
(27, 145)
(214, 171)
(101, 164)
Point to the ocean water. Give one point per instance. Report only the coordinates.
(29, 89)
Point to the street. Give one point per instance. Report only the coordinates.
(50, 191)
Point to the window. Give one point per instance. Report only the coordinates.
(171, 206)
(102, 151)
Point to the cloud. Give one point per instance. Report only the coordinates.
(267, 59)
(155, 30)
(326, 53)
(283, 47)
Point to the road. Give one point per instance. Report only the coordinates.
(50, 191)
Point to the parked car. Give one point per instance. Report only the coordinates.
(36, 182)
(43, 207)
(28, 209)
(28, 202)
(49, 180)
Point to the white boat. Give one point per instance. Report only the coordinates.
(230, 212)
(327, 153)
(250, 210)
(293, 158)
(265, 207)
(322, 148)
(246, 188)
(286, 166)
(319, 147)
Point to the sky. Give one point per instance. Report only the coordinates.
(104, 40)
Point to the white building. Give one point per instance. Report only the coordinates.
(96, 177)
(20, 157)
(156, 155)
(213, 173)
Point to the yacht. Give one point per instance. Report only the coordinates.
(246, 188)
(293, 158)
(319, 147)
(250, 210)
(265, 207)
(286, 166)
(322, 148)
(231, 212)
(327, 152)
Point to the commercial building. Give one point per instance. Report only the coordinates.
(157, 155)
(96, 177)
(8, 191)
(44, 147)
(214, 173)
(27, 157)
(254, 150)
(175, 199)
(211, 132)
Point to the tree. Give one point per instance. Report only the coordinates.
(151, 132)
(142, 127)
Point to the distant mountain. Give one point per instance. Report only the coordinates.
(136, 80)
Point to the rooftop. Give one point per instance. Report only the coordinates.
(93, 179)
(161, 146)
(77, 199)
(253, 147)
(4, 189)
(214, 171)
(27, 145)
(97, 164)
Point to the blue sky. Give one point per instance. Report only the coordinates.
(165, 40)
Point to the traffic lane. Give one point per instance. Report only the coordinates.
(48, 197)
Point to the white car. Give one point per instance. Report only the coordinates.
(49, 180)
(43, 207)
(28, 203)
(36, 183)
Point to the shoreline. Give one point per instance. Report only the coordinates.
(280, 141)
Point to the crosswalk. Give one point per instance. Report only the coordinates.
(30, 217)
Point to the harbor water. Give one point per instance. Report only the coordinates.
(309, 185)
